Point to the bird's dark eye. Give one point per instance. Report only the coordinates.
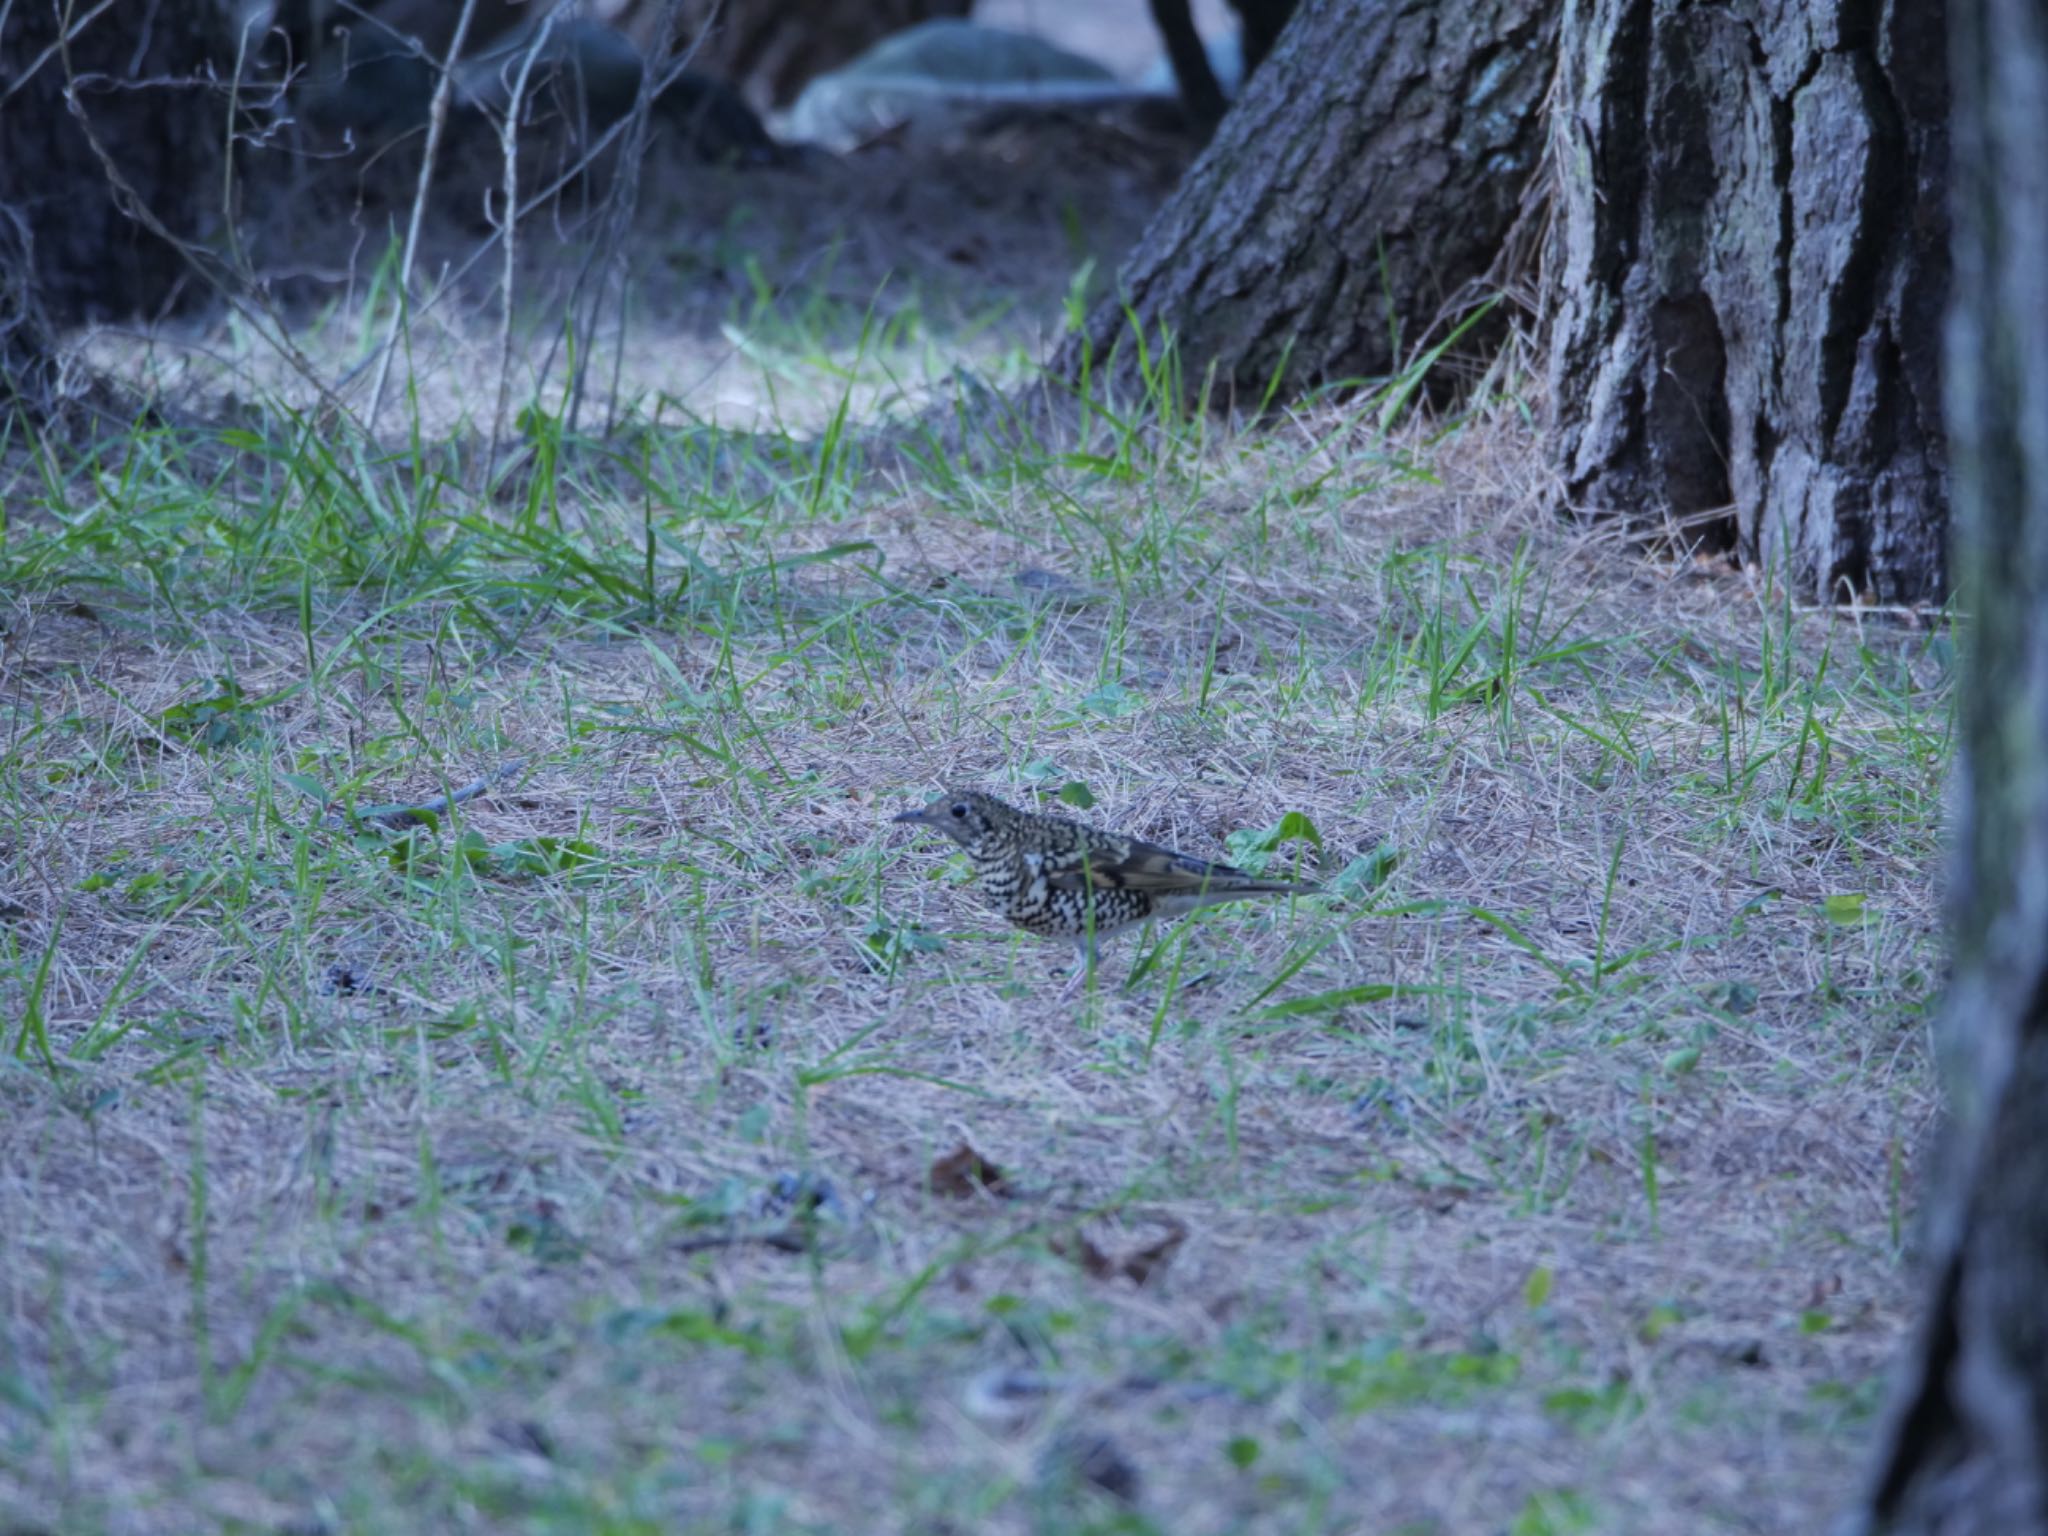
(959, 810)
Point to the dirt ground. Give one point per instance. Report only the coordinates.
(662, 1140)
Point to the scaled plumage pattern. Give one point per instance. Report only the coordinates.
(1062, 878)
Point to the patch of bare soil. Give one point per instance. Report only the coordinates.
(756, 297)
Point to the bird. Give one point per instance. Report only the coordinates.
(1064, 879)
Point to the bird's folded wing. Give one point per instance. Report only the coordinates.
(1138, 866)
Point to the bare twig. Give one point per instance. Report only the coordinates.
(60, 47)
(397, 817)
(437, 120)
(509, 138)
(263, 321)
(230, 225)
(539, 199)
(623, 196)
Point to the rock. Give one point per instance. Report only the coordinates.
(938, 73)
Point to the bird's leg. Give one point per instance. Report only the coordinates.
(1084, 964)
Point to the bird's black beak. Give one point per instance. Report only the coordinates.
(922, 816)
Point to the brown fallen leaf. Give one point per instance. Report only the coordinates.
(1153, 1258)
(1137, 1266)
(964, 1173)
(1080, 1247)
(1080, 1456)
(1824, 1290)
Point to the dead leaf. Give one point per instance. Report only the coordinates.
(1080, 1456)
(1154, 1257)
(1082, 1250)
(964, 1173)
(1138, 1266)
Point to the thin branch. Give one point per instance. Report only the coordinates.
(262, 320)
(539, 199)
(60, 46)
(437, 120)
(623, 197)
(509, 137)
(398, 816)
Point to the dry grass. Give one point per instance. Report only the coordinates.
(1551, 1175)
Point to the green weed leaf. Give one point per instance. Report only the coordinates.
(1367, 873)
(1681, 1061)
(1846, 909)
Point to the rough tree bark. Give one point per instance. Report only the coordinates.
(1749, 263)
(1967, 1451)
(88, 256)
(1366, 178)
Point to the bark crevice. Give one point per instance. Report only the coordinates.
(1783, 169)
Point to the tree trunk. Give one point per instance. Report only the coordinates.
(1749, 264)
(1967, 1453)
(1364, 181)
(1199, 93)
(88, 254)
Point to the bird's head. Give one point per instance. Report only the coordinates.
(965, 815)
